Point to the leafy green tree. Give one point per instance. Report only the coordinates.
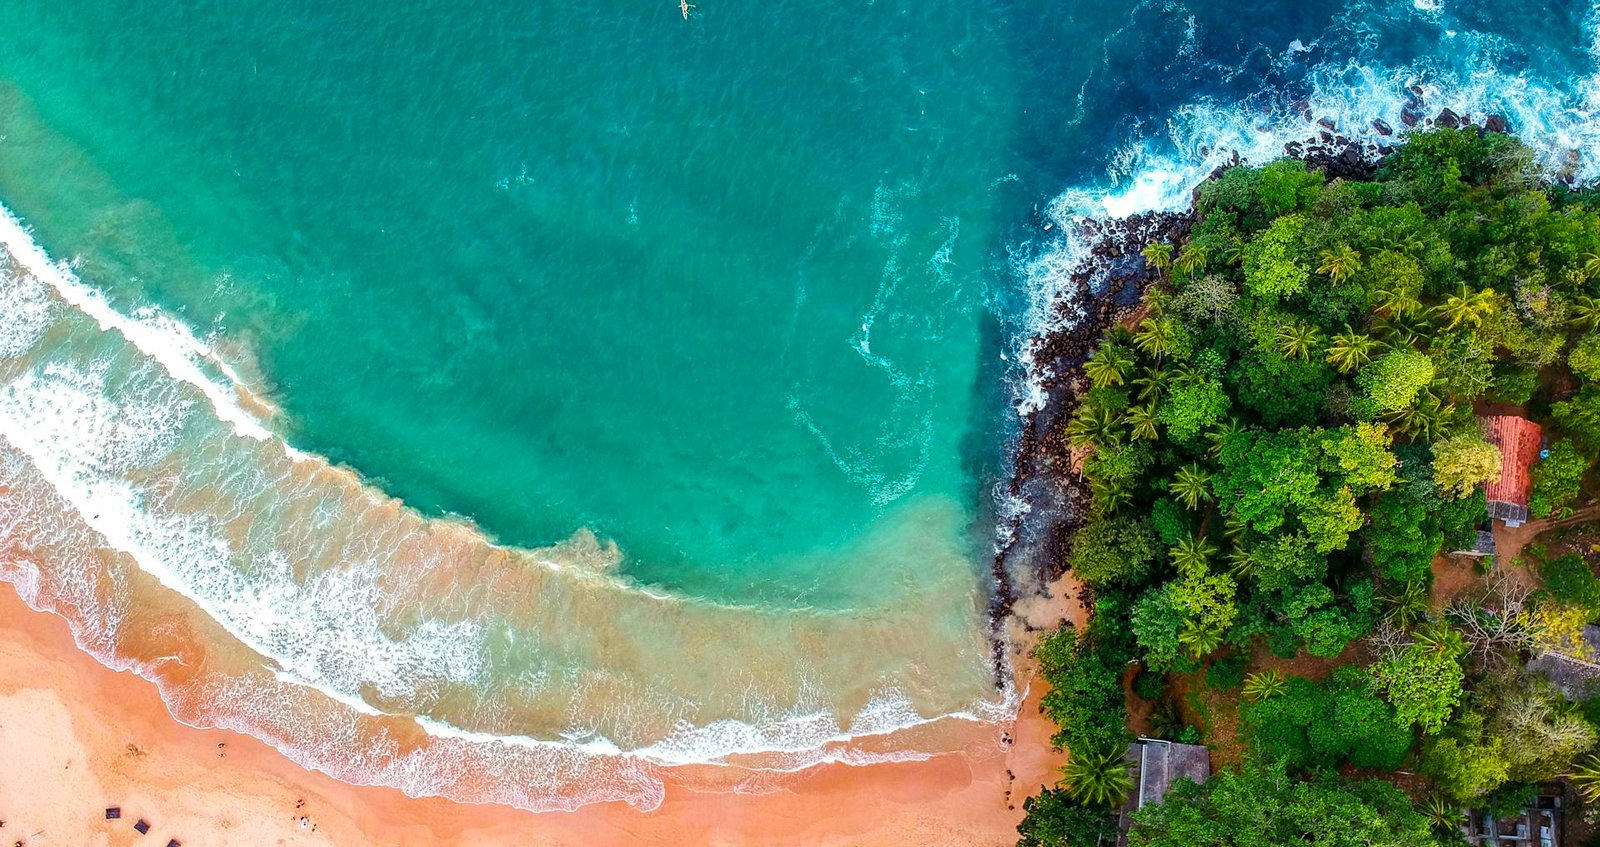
(1568, 579)
(1192, 407)
(1272, 269)
(1117, 550)
(1423, 684)
(1054, 819)
(1557, 479)
(1098, 777)
(1280, 390)
(1171, 521)
(1464, 762)
(1579, 416)
(1156, 622)
(1395, 379)
(1360, 454)
(1463, 462)
(1543, 736)
(1584, 357)
(1085, 698)
(1262, 806)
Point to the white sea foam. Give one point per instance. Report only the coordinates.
(104, 433)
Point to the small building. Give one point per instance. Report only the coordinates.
(1157, 764)
(1482, 545)
(1538, 825)
(1518, 439)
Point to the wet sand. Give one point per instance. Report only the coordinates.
(78, 737)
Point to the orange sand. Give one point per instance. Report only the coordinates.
(76, 737)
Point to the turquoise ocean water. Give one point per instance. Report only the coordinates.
(718, 325)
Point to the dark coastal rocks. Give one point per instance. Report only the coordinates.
(1496, 123)
(1382, 128)
(1104, 289)
(1326, 123)
(1448, 118)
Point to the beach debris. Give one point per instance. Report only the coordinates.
(113, 812)
(174, 843)
(142, 826)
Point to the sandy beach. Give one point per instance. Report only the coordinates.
(78, 737)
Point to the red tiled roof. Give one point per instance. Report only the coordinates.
(1518, 440)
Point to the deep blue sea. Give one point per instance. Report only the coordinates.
(631, 384)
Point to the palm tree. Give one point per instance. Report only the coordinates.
(1298, 339)
(1264, 685)
(1240, 561)
(1158, 255)
(1097, 777)
(1441, 639)
(1151, 385)
(1095, 426)
(1396, 302)
(1585, 777)
(1188, 374)
(1202, 640)
(1468, 306)
(1341, 264)
(1220, 433)
(1192, 553)
(1591, 265)
(1350, 350)
(1407, 606)
(1190, 485)
(1156, 336)
(1421, 420)
(1233, 527)
(1585, 313)
(1143, 421)
(1443, 816)
(1398, 331)
(1108, 366)
(1109, 495)
(1192, 260)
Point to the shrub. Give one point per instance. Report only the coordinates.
(1085, 698)
(1116, 550)
(1556, 479)
(1053, 819)
(1226, 674)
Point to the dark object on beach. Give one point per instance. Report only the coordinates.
(1448, 118)
(173, 843)
(113, 812)
(1495, 123)
(141, 827)
(1383, 128)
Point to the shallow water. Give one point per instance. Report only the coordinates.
(716, 326)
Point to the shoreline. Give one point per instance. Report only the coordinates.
(85, 737)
